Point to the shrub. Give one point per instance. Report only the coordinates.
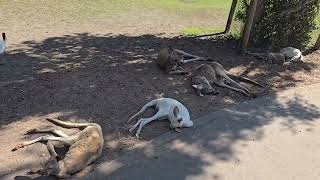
(281, 23)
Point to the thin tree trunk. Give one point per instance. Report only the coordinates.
(231, 13)
(248, 25)
(317, 45)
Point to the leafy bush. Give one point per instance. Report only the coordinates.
(281, 23)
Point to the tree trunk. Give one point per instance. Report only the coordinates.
(248, 25)
(317, 45)
(231, 13)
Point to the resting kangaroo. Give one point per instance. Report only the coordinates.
(201, 84)
(170, 60)
(285, 56)
(85, 147)
(168, 108)
(214, 73)
(292, 54)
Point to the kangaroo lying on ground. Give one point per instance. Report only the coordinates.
(285, 56)
(214, 73)
(292, 54)
(85, 147)
(201, 84)
(168, 108)
(170, 60)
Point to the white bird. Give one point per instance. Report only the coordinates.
(3, 43)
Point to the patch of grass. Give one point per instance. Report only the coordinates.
(82, 9)
(235, 32)
(190, 5)
(191, 32)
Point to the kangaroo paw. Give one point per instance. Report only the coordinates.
(131, 129)
(30, 131)
(178, 130)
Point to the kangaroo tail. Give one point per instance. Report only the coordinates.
(257, 55)
(144, 108)
(244, 79)
(69, 124)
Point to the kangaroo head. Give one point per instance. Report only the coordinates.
(52, 166)
(276, 58)
(175, 121)
(178, 121)
(205, 88)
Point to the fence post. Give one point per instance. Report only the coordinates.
(248, 25)
(231, 13)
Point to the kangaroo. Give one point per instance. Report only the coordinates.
(276, 58)
(292, 54)
(201, 84)
(85, 147)
(285, 56)
(168, 108)
(214, 73)
(170, 60)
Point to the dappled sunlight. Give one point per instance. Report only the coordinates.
(30, 156)
(107, 78)
(237, 137)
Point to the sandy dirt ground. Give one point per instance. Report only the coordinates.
(105, 73)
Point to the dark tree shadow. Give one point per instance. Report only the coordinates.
(105, 79)
(190, 154)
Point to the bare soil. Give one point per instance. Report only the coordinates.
(107, 77)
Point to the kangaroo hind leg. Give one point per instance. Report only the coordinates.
(64, 140)
(52, 130)
(222, 84)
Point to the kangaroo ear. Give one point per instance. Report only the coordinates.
(197, 86)
(176, 111)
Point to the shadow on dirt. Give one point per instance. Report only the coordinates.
(107, 78)
(194, 154)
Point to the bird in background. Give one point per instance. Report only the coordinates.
(3, 43)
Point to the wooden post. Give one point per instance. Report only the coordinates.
(229, 21)
(317, 45)
(231, 13)
(248, 25)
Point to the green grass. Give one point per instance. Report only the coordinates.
(107, 8)
(190, 5)
(191, 32)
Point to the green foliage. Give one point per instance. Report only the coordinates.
(241, 14)
(281, 23)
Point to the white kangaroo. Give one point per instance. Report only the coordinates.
(291, 54)
(285, 56)
(168, 108)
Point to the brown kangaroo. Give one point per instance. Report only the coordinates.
(214, 73)
(85, 147)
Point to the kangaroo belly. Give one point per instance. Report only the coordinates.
(82, 153)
